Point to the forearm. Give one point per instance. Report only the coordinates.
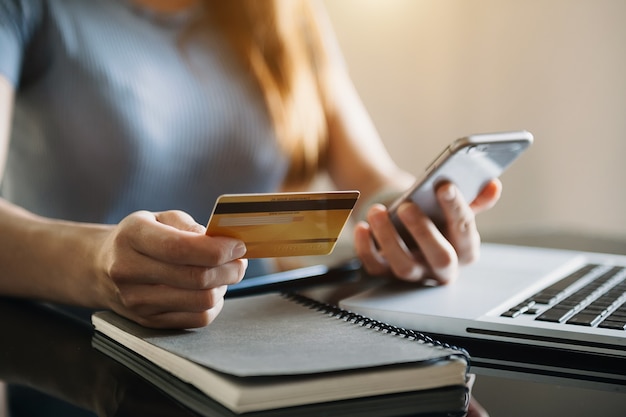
(6, 113)
(43, 258)
(357, 157)
(369, 167)
(49, 259)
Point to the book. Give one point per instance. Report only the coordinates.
(272, 352)
(445, 402)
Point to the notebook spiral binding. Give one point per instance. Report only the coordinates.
(355, 318)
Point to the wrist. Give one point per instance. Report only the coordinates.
(63, 262)
(81, 251)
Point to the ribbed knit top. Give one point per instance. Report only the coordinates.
(113, 114)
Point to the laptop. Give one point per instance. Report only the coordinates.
(532, 296)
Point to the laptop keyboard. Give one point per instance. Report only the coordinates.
(592, 296)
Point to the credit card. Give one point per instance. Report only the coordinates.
(283, 224)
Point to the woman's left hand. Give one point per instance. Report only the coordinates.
(441, 250)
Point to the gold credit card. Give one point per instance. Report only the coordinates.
(283, 224)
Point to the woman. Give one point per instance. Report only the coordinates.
(121, 121)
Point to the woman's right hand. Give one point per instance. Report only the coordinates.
(162, 271)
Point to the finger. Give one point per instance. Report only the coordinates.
(460, 225)
(169, 244)
(475, 409)
(437, 252)
(400, 260)
(151, 300)
(365, 248)
(144, 270)
(488, 197)
(181, 319)
(180, 220)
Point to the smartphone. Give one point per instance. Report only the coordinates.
(470, 163)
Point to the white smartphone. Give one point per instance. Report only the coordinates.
(470, 163)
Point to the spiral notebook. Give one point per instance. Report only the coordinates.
(275, 354)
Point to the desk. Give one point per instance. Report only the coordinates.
(51, 352)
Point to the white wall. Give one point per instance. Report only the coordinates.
(430, 71)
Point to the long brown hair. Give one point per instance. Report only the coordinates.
(280, 42)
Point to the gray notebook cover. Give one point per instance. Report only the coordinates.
(270, 334)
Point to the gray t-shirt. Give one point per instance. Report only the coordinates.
(113, 115)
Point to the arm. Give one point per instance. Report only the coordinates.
(358, 159)
(6, 113)
(158, 269)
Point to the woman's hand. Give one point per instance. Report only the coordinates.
(441, 251)
(161, 270)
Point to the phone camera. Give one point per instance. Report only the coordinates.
(477, 149)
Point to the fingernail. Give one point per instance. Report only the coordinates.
(375, 216)
(449, 192)
(238, 250)
(407, 211)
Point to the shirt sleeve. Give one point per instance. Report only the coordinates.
(19, 20)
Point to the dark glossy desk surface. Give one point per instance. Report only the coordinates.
(47, 360)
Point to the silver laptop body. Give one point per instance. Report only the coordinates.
(493, 299)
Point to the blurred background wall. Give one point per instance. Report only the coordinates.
(430, 71)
